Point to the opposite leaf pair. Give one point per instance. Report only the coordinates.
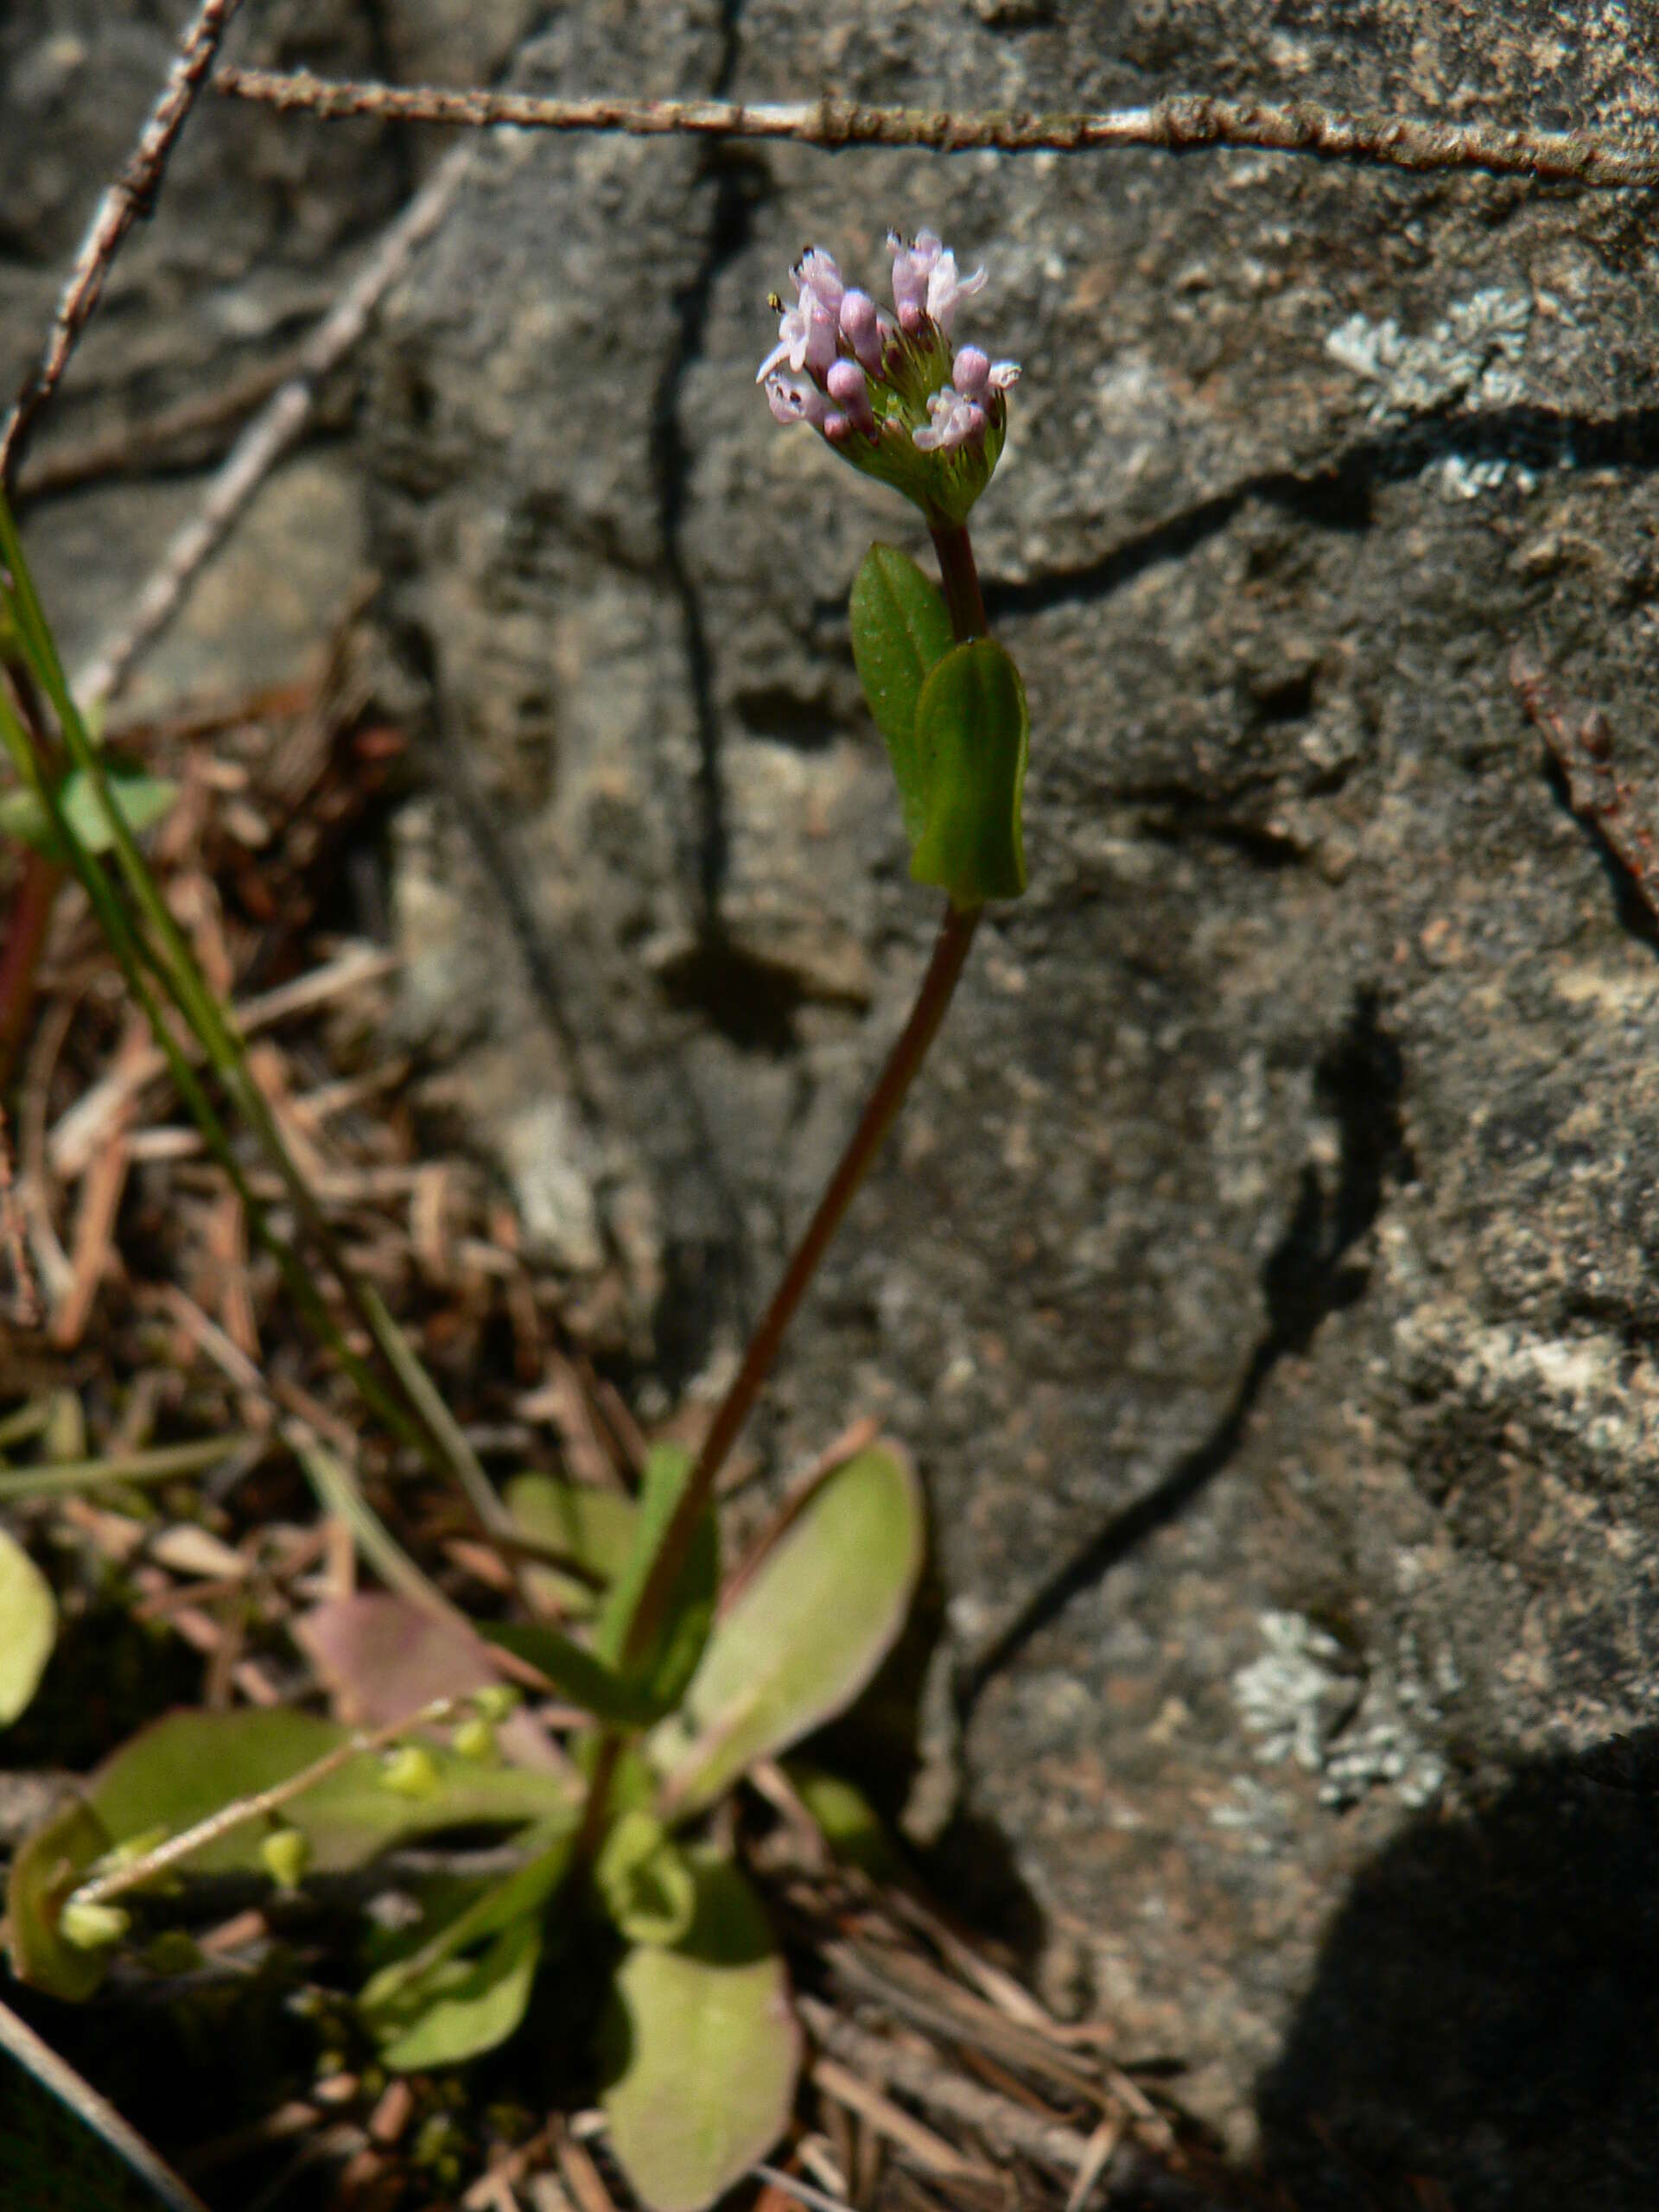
(956, 729)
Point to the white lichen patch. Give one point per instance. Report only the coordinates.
(1295, 1696)
(1472, 358)
(1301, 1706)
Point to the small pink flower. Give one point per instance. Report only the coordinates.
(945, 288)
(953, 421)
(792, 399)
(806, 336)
(912, 268)
(816, 271)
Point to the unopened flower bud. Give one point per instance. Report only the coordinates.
(496, 1700)
(286, 1853)
(851, 394)
(860, 326)
(475, 1740)
(970, 372)
(412, 1772)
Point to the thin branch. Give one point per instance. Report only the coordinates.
(1183, 124)
(265, 440)
(132, 1875)
(132, 195)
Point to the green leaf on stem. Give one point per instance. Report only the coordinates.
(463, 2006)
(663, 1670)
(28, 1627)
(142, 799)
(900, 630)
(700, 2048)
(972, 734)
(591, 1528)
(804, 1634)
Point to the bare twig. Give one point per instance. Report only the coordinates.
(96, 2111)
(1007, 2126)
(132, 195)
(265, 440)
(1184, 123)
(132, 1875)
(189, 435)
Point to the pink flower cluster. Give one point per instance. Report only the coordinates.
(884, 388)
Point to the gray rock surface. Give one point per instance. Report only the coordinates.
(1263, 1274)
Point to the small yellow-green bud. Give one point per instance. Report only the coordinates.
(286, 1853)
(495, 1701)
(475, 1740)
(412, 1772)
(93, 1926)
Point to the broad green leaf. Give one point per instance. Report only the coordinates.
(465, 2006)
(28, 1625)
(972, 735)
(804, 1635)
(190, 1764)
(593, 1528)
(900, 629)
(143, 801)
(700, 2048)
(663, 1671)
(643, 1881)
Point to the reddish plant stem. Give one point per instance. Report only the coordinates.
(949, 952)
(967, 609)
(961, 580)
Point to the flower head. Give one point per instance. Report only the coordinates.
(886, 391)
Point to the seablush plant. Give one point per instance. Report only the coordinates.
(687, 1684)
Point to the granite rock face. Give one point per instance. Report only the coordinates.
(1263, 1273)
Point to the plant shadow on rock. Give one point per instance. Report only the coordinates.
(1485, 2012)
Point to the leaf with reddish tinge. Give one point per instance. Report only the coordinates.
(380, 1656)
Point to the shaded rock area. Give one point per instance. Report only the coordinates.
(1263, 1274)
